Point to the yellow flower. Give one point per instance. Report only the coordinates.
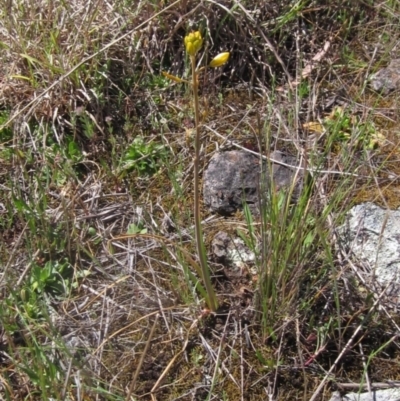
(193, 42)
(219, 60)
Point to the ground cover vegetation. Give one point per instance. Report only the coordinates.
(100, 293)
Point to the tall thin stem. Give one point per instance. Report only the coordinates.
(212, 299)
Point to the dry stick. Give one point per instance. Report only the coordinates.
(278, 353)
(214, 378)
(280, 162)
(241, 362)
(73, 69)
(111, 336)
(374, 386)
(303, 368)
(67, 377)
(346, 348)
(209, 349)
(103, 294)
(166, 370)
(365, 369)
(139, 366)
(28, 267)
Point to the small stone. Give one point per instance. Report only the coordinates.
(387, 79)
(232, 253)
(220, 245)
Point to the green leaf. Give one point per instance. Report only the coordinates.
(136, 229)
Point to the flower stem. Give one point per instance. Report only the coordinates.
(212, 299)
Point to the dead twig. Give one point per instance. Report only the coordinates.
(139, 366)
(364, 386)
(166, 370)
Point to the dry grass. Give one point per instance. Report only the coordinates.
(90, 312)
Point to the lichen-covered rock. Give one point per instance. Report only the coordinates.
(233, 178)
(387, 79)
(233, 254)
(372, 235)
(230, 179)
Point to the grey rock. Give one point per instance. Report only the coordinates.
(372, 235)
(387, 79)
(233, 177)
(283, 177)
(336, 396)
(230, 179)
(220, 245)
(232, 253)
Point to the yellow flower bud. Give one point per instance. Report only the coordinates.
(172, 77)
(193, 42)
(219, 60)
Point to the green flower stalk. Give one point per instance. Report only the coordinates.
(193, 43)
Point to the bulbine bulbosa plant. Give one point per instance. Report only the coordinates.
(193, 43)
